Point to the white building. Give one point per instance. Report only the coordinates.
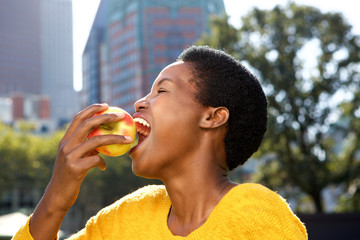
(6, 110)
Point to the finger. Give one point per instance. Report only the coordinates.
(83, 131)
(94, 161)
(91, 153)
(79, 136)
(85, 164)
(90, 145)
(93, 122)
(81, 117)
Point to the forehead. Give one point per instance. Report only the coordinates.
(178, 73)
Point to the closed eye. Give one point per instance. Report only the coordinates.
(161, 90)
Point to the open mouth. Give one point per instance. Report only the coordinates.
(142, 127)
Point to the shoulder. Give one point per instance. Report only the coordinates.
(255, 206)
(147, 192)
(257, 196)
(148, 195)
(147, 200)
(254, 192)
(138, 207)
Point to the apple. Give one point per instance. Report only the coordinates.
(125, 127)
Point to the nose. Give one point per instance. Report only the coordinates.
(142, 103)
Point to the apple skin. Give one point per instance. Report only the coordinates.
(125, 127)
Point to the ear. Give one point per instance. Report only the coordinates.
(214, 117)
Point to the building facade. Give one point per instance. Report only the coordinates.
(36, 53)
(139, 39)
(57, 59)
(94, 61)
(20, 44)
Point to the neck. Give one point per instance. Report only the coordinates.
(196, 183)
(194, 195)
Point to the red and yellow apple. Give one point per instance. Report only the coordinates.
(124, 127)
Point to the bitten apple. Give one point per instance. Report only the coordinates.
(124, 127)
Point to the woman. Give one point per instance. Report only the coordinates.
(207, 115)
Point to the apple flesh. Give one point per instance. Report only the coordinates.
(125, 127)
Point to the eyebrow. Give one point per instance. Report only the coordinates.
(164, 80)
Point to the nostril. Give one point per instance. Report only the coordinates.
(141, 104)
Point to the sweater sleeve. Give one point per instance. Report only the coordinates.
(91, 231)
(97, 227)
(24, 232)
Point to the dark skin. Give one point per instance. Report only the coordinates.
(74, 159)
(185, 149)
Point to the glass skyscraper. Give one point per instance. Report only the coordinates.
(138, 39)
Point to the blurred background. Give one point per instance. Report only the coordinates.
(59, 56)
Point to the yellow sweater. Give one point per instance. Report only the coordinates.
(247, 212)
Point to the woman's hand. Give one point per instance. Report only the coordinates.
(75, 157)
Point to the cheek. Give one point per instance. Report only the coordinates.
(173, 120)
(176, 131)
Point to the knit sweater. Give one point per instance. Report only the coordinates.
(247, 212)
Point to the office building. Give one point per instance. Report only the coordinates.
(36, 53)
(20, 44)
(138, 38)
(57, 59)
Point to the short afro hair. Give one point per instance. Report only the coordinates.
(222, 81)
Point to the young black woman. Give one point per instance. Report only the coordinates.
(207, 115)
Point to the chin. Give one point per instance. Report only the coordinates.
(141, 170)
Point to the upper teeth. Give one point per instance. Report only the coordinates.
(142, 121)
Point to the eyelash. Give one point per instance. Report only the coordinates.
(161, 90)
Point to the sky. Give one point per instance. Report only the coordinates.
(84, 12)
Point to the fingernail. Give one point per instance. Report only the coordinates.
(128, 138)
(120, 114)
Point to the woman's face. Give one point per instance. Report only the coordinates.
(173, 116)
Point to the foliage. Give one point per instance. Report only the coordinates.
(26, 159)
(226, 35)
(309, 65)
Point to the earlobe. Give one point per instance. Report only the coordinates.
(215, 117)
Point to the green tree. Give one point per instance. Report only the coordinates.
(26, 159)
(308, 63)
(223, 35)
